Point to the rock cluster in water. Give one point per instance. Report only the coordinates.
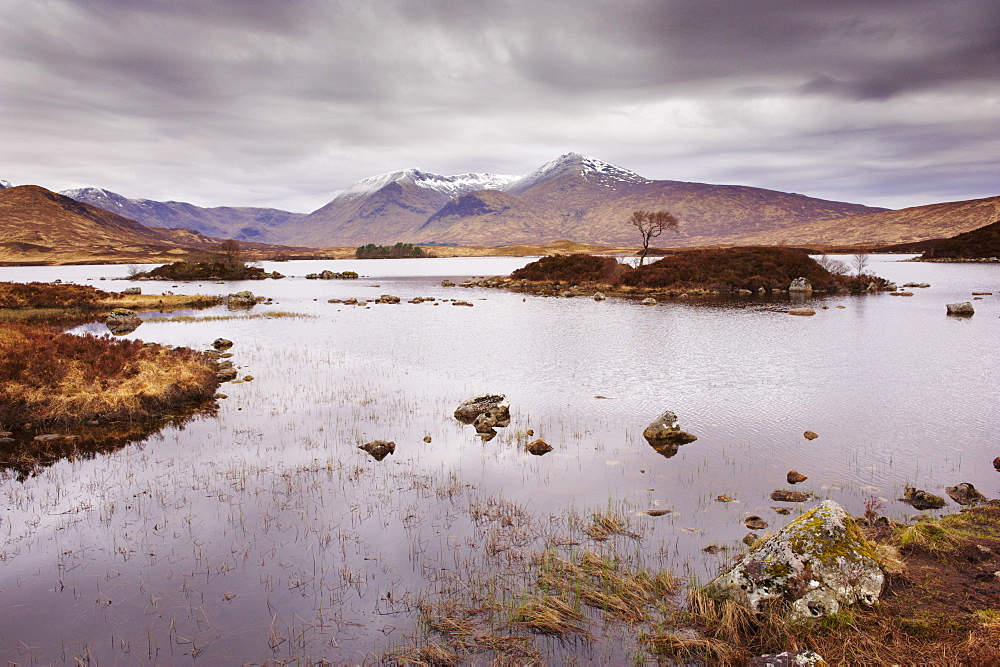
(485, 412)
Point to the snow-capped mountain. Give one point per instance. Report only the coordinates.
(453, 186)
(4, 184)
(576, 165)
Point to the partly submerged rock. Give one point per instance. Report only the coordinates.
(538, 447)
(241, 300)
(801, 311)
(379, 449)
(664, 430)
(222, 344)
(965, 494)
(648, 301)
(800, 285)
(754, 522)
(794, 477)
(810, 435)
(492, 405)
(122, 321)
(599, 296)
(785, 496)
(817, 563)
(963, 309)
(922, 500)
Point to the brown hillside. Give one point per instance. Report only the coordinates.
(40, 226)
(571, 207)
(906, 225)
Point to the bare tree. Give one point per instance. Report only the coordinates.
(232, 254)
(860, 262)
(651, 224)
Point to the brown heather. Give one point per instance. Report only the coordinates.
(62, 379)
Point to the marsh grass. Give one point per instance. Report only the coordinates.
(269, 315)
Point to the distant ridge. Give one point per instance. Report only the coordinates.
(262, 225)
(574, 197)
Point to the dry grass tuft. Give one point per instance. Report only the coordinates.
(605, 524)
(550, 615)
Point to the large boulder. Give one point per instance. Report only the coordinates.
(965, 494)
(816, 563)
(922, 500)
(122, 321)
(800, 285)
(664, 430)
(241, 300)
(379, 449)
(494, 408)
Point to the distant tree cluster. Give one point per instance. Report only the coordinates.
(400, 250)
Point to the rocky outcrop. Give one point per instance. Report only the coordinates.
(817, 563)
(965, 494)
(132, 290)
(241, 300)
(387, 298)
(379, 449)
(485, 412)
(800, 285)
(963, 309)
(665, 431)
(122, 321)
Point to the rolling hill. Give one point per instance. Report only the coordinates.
(37, 225)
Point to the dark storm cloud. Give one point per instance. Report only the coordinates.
(282, 103)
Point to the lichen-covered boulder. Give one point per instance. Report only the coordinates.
(800, 285)
(242, 300)
(122, 321)
(817, 563)
(664, 430)
(494, 406)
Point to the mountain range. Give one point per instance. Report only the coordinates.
(573, 197)
(37, 225)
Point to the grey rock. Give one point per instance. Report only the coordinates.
(664, 430)
(800, 285)
(494, 406)
(132, 290)
(599, 296)
(648, 301)
(818, 562)
(962, 309)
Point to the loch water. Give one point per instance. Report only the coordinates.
(263, 533)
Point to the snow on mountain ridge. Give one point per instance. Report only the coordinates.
(453, 186)
(581, 165)
(4, 184)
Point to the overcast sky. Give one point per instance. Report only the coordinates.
(283, 102)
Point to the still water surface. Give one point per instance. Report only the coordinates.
(263, 533)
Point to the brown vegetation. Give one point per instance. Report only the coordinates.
(50, 378)
(68, 305)
(722, 270)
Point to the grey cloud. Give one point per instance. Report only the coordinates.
(242, 102)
